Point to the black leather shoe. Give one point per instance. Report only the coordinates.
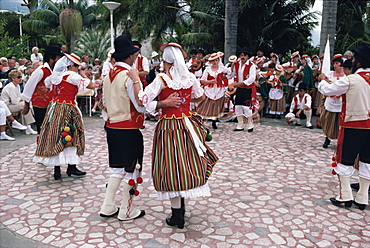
(177, 219)
(326, 142)
(111, 215)
(72, 170)
(214, 126)
(250, 130)
(360, 206)
(335, 202)
(57, 174)
(236, 129)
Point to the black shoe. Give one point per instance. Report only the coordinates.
(297, 124)
(310, 127)
(236, 129)
(214, 126)
(72, 170)
(360, 206)
(278, 117)
(176, 219)
(326, 142)
(143, 127)
(57, 174)
(111, 215)
(250, 130)
(355, 186)
(335, 202)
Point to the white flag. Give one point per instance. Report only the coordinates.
(326, 62)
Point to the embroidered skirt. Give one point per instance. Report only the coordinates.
(181, 161)
(52, 148)
(330, 123)
(211, 108)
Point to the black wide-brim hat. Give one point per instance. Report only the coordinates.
(53, 50)
(363, 50)
(302, 86)
(123, 47)
(245, 50)
(347, 64)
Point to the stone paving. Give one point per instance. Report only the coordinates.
(271, 188)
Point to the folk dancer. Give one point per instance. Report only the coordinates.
(181, 161)
(354, 134)
(246, 103)
(214, 83)
(62, 139)
(330, 112)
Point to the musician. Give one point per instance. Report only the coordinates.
(316, 94)
(141, 64)
(354, 134)
(195, 65)
(305, 68)
(246, 103)
(330, 114)
(290, 69)
(278, 90)
(274, 58)
(214, 82)
(259, 54)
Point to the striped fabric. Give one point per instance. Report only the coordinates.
(277, 105)
(50, 139)
(330, 124)
(211, 108)
(176, 164)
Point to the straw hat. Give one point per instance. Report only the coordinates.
(74, 58)
(296, 53)
(214, 56)
(162, 47)
(279, 67)
(220, 53)
(233, 58)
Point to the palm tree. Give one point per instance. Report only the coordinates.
(94, 44)
(328, 24)
(30, 4)
(231, 27)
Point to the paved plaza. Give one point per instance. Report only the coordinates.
(271, 188)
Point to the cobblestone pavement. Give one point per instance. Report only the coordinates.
(271, 188)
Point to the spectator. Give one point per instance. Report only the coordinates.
(97, 66)
(11, 95)
(36, 56)
(5, 113)
(85, 61)
(4, 64)
(63, 48)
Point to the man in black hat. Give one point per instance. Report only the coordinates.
(121, 89)
(141, 64)
(347, 66)
(246, 103)
(35, 90)
(259, 55)
(300, 108)
(354, 135)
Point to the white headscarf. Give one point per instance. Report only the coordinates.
(60, 66)
(179, 71)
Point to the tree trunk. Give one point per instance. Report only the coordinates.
(231, 27)
(328, 24)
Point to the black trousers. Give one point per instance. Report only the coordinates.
(356, 142)
(39, 116)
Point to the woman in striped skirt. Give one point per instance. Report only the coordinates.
(330, 114)
(277, 97)
(214, 82)
(181, 161)
(62, 139)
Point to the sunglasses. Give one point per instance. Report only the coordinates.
(19, 77)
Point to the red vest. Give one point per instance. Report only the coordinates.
(42, 95)
(137, 119)
(183, 110)
(140, 68)
(296, 102)
(245, 73)
(221, 82)
(65, 92)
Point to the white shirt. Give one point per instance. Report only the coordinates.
(145, 64)
(334, 103)
(32, 82)
(214, 93)
(37, 58)
(301, 103)
(251, 77)
(11, 94)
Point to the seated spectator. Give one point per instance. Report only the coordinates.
(36, 56)
(4, 113)
(300, 108)
(27, 73)
(21, 63)
(11, 95)
(97, 66)
(35, 65)
(4, 64)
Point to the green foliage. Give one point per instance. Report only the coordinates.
(95, 44)
(10, 46)
(70, 22)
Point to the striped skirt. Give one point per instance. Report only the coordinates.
(330, 123)
(211, 108)
(277, 105)
(58, 116)
(177, 164)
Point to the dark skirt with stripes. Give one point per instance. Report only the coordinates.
(277, 105)
(176, 164)
(58, 116)
(211, 108)
(330, 123)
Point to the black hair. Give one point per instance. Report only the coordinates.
(48, 56)
(365, 62)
